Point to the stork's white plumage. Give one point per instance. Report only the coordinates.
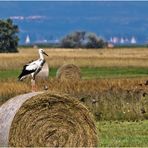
(33, 68)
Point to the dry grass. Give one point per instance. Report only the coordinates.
(11, 88)
(109, 99)
(82, 58)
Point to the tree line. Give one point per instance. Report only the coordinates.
(79, 39)
(82, 39)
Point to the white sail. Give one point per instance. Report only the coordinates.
(122, 41)
(27, 41)
(133, 40)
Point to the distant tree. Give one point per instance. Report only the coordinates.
(93, 41)
(82, 40)
(8, 36)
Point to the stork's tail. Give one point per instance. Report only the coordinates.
(20, 77)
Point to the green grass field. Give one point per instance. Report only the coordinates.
(114, 72)
(123, 134)
(91, 72)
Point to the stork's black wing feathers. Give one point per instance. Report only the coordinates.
(25, 72)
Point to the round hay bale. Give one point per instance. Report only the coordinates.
(7, 113)
(68, 72)
(47, 119)
(44, 73)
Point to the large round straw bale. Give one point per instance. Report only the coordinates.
(68, 72)
(44, 73)
(47, 119)
(7, 113)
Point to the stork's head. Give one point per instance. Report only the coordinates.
(42, 51)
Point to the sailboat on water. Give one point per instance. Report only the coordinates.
(133, 40)
(27, 41)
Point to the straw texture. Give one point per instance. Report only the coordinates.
(53, 120)
(68, 72)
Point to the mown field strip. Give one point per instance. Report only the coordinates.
(91, 73)
(123, 134)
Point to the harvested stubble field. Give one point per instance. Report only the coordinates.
(112, 86)
(137, 57)
(118, 99)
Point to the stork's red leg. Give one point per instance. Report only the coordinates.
(33, 86)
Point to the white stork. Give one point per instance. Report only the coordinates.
(33, 68)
